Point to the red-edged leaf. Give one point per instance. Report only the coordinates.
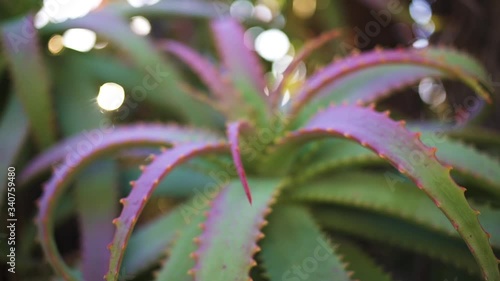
(410, 156)
(53, 189)
(233, 135)
(236, 228)
(240, 61)
(142, 190)
(135, 135)
(244, 70)
(429, 62)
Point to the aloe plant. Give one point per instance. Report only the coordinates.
(272, 197)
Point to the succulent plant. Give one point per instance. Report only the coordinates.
(281, 192)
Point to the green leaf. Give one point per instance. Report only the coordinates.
(13, 133)
(149, 242)
(180, 260)
(230, 233)
(383, 72)
(399, 233)
(363, 266)
(134, 203)
(295, 249)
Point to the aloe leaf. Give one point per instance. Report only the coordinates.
(389, 70)
(468, 161)
(236, 228)
(242, 66)
(73, 149)
(313, 257)
(24, 57)
(202, 67)
(388, 196)
(233, 135)
(14, 129)
(149, 242)
(77, 160)
(305, 52)
(96, 213)
(363, 266)
(141, 192)
(180, 260)
(182, 182)
(375, 193)
(398, 233)
(403, 149)
(172, 8)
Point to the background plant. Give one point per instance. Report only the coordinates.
(370, 204)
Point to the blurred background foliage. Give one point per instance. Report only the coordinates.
(90, 74)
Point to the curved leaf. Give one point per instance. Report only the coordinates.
(23, 54)
(203, 68)
(312, 258)
(95, 215)
(74, 163)
(466, 160)
(310, 46)
(141, 192)
(149, 242)
(71, 149)
(391, 141)
(388, 70)
(363, 266)
(242, 66)
(234, 227)
(13, 133)
(179, 261)
(388, 195)
(390, 231)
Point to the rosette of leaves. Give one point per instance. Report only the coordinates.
(305, 191)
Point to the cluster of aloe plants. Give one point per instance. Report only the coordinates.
(312, 190)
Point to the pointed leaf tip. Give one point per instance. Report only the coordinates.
(233, 134)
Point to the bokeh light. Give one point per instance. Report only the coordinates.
(55, 44)
(79, 39)
(140, 25)
(272, 44)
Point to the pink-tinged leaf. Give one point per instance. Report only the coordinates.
(244, 70)
(233, 135)
(72, 149)
(161, 166)
(434, 62)
(95, 215)
(404, 150)
(306, 51)
(236, 228)
(14, 128)
(78, 159)
(200, 66)
(242, 63)
(24, 57)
